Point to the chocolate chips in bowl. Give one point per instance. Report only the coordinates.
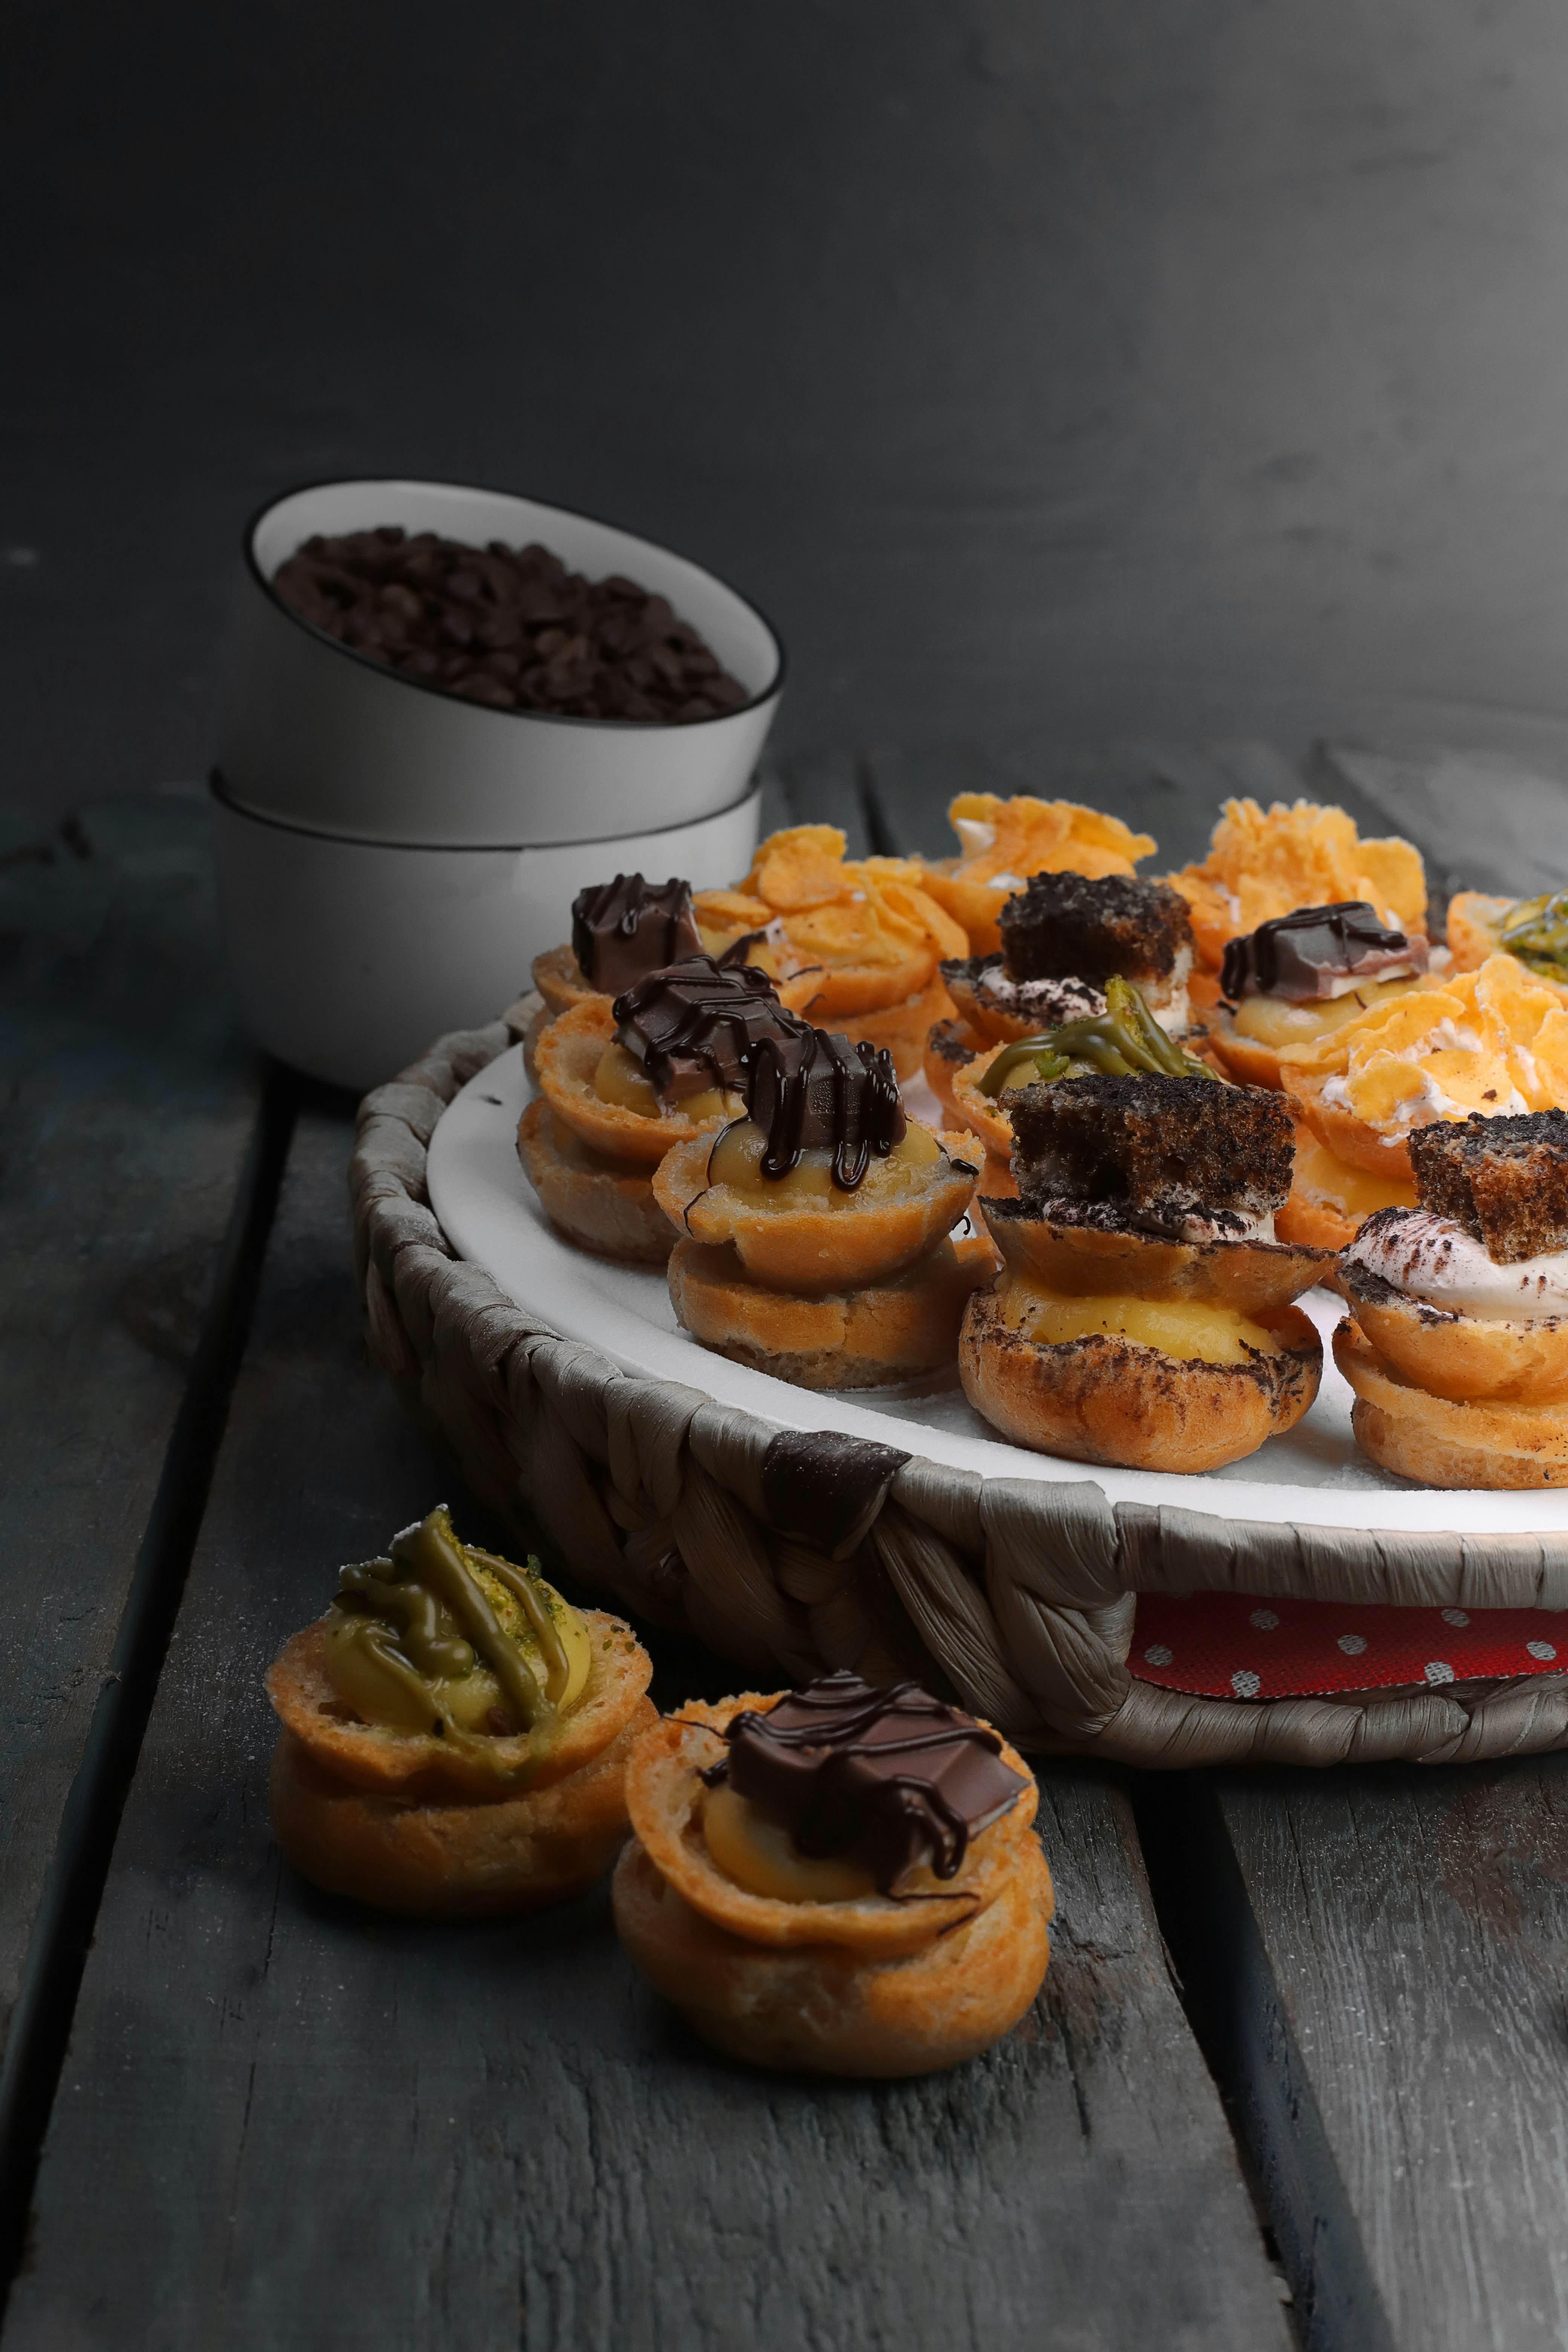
(512, 627)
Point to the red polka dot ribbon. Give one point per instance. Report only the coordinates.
(1234, 1645)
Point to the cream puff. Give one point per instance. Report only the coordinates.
(1143, 1315)
(1457, 1352)
(1063, 937)
(454, 1737)
(622, 1083)
(1263, 862)
(621, 930)
(837, 1880)
(815, 1231)
(1296, 980)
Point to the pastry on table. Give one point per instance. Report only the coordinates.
(1297, 979)
(1063, 937)
(855, 943)
(622, 1083)
(1002, 841)
(1121, 1039)
(1144, 1316)
(818, 1230)
(1535, 930)
(1457, 1350)
(1494, 1042)
(454, 1737)
(837, 1880)
(1265, 863)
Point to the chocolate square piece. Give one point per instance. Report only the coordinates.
(1068, 927)
(1505, 1180)
(1153, 1141)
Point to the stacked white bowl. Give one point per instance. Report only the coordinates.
(392, 857)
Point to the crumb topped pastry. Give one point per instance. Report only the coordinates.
(1263, 862)
(1144, 1316)
(823, 1208)
(1296, 980)
(1003, 842)
(1457, 1352)
(455, 1736)
(836, 1880)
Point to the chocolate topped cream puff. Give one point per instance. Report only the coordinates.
(817, 1228)
(1293, 980)
(622, 1083)
(621, 930)
(1143, 1314)
(455, 1736)
(1459, 1348)
(837, 1880)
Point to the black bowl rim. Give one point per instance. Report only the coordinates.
(223, 792)
(768, 693)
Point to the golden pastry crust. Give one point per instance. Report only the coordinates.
(949, 1045)
(568, 1055)
(1305, 1223)
(558, 976)
(1459, 1357)
(1342, 1132)
(1028, 836)
(1482, 1442)
(1241, 1058)
(1475, 923)
(984, 1116)
(866, 1338)
(899, 1212)
(416, 1765)
(1329, 1201)
(901, 1028)
(601, 1205)
(665, 1796)
(429, 1859)
(814, 2010)
(1266, 863)
(1080, 1262)
(1111, 1399)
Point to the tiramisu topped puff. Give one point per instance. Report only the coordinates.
(623, 1083)
(454, 1737)
(1063, 937)
(1296, 980)
(1535, 930)
(1143, 1314)
(1001, 843)
(816, 1231)
(837, 1880)
(853, 942)
(621, 930)
(1264, 863)
(1458, 1350)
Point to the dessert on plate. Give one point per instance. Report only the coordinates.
(1002, 841)
(621, 930)
(855, 943)
(816, 1231)
(623, 1082)
(1535, 930)
(1297, 979)
(837, 1880)
(1266, 863)
(1143, 1315)
(454, 1737)
(1458, 1342)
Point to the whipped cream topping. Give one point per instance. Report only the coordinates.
(974, 836)
(1052, 1000)
(1431, 1258)
(1170, 1221)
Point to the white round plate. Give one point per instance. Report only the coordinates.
(489, 1212)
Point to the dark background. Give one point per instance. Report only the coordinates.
(1048, 370)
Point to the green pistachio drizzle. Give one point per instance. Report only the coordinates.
(1536, 931)
(1118, 1043)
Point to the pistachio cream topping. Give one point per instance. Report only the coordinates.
(1123, 1040)
(810, 1089)
(439, 1636)
(1536, 931)
(888, 1777)
(1319, 953)
(622, 930)
(1433, 1258)
(695, 1024)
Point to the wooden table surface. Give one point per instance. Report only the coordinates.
(1299, 2071)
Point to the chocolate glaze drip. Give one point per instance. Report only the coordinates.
(808, 1087)
(1300, 956)
(697, 1023)
(621, 930)
(889, 1776)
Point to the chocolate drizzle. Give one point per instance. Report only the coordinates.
(1301, 955)
(697, 1023)
(621, 930)
(889, 1776)
(808, 1087)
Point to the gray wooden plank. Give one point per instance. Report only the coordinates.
(127, 1102)
(1415, 1926)
(281, 2122)
(1483, 820)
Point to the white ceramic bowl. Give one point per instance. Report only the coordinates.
(320, 735)
(349, 957)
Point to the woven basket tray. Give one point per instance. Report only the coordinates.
(788, 1553)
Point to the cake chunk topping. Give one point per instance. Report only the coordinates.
(1504, 1181)
(1166, 1145)
(1071, 926)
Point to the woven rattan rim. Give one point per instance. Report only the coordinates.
(788, 1553)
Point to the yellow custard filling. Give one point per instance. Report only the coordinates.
(1321, 1173)
(620, 1078)
(761, 1855)
(1274, 1021)
(1191, 1329)
(736, 1161)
